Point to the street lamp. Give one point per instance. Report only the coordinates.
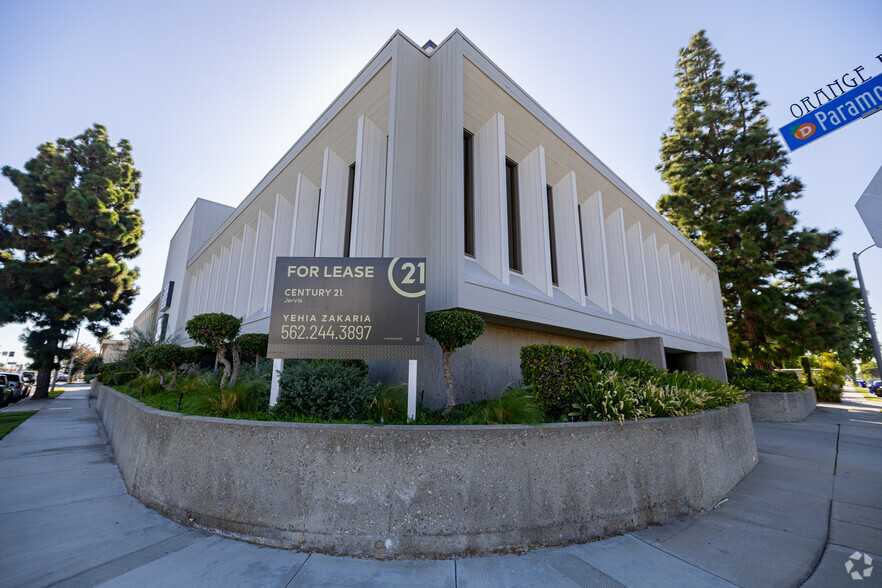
(873, 338)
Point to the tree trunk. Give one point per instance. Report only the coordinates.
(237, 362)
(174, 377)
(220, 358)
(448, 379)
(41, 388)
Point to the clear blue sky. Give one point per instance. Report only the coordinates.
(211, 93)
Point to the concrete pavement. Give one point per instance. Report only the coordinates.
(811, 503)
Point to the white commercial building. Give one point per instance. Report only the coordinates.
(435, 152)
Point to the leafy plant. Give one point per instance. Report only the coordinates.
(116, 373)
(218, 331)
(553, 372)
(324, 389)
(93, 367)
(754, 379)
(166, 357)
(254, 344)
(389, 405)
(452, 329)
(829, 383)
(515, 405)
(148, 385)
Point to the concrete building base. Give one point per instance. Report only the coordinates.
(424, 491)
(784, 407)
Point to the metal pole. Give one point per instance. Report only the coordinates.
(411, 389)
(872, 327)
(72, 357)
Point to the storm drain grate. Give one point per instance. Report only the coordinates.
(581, 572)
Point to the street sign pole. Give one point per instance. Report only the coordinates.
(872, 327)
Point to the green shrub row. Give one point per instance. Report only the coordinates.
(572, 383)
(751, 379)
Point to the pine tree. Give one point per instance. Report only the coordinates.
(64, 242)
(729, 194)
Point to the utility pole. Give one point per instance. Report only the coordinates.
(870, 325)
(72, 357)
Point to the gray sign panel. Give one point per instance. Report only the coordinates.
(348, 308)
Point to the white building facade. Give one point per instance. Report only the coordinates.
(437, 153)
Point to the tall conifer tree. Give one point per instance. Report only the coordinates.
(729, 194)
(64, 242)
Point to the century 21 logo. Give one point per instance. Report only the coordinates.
(803, 131)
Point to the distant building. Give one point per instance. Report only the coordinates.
(113, 349)
(437, 153)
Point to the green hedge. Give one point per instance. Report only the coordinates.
(751, 379)
(325, 389)
(554, 372)
(571, 383)
(117, 373)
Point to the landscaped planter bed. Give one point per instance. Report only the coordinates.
(787, 407)
(424, 491)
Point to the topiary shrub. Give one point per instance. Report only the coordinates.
(253, 344)
(452, 329)
(193, 357)
(218, 331)
(326, 390)
(138, 359)
(165, 357)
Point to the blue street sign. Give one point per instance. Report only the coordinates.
(832, 116)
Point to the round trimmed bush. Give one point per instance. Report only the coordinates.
(327, 390)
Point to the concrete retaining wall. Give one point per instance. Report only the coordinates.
(788, 407)
(415, 491)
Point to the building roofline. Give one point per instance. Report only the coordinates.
(301, 143)
(578, 146)
(532, 105)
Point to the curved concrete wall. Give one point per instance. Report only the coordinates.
(786, 407)
(408, 491)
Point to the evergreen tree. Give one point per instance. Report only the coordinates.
(729, 194)
(62, 244)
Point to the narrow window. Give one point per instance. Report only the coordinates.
(552, 244)
(582, 245)
(350, 195)
(514, 229)
(318, 207)
(468, 193)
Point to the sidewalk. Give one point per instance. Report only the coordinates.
(811, 502)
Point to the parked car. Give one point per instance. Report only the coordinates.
(11, 389)
(875, 387)
(861, 383)
(61, 378)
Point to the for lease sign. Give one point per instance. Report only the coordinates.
(343, 308)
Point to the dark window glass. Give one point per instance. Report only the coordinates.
(582, 245)
(319, 207)
(552, 244)
(468, 193)
(350, 194)
(514, 229)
